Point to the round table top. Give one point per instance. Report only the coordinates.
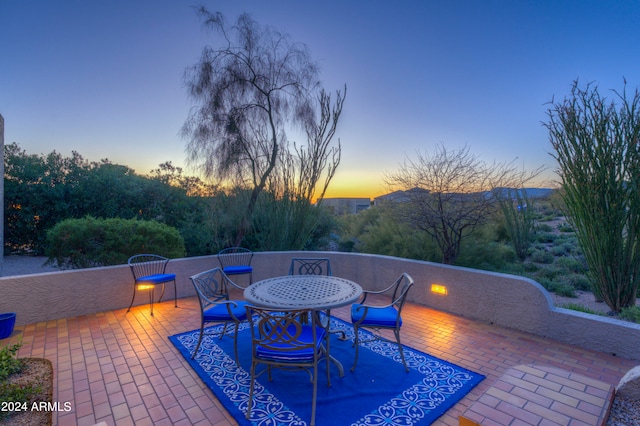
(303, 292)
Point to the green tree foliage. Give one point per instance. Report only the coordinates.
(596, 145)
(91, 242)
(379, 230)
(43, 190)
(481, 250)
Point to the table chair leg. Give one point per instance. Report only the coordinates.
(175, 294)
(151, 298)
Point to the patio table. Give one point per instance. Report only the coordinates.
(314, 292)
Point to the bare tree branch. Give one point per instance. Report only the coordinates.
(450, 194)
(247, 92)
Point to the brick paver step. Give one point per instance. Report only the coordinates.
(541, 395)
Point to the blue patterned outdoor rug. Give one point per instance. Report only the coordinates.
(379, 392)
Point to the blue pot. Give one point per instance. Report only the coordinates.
(7, 322)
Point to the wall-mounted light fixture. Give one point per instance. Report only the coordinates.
(145, 286)
(439, 289)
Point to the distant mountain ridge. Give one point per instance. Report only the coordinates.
(531, 192)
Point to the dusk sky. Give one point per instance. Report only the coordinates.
(105, 78)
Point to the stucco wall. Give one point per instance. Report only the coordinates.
(505, 300)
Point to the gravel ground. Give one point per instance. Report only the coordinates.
(584, 298)
(38, 372)
(624, 412)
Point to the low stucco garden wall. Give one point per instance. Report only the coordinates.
(505, 300)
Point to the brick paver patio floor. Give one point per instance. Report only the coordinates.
(120, 368)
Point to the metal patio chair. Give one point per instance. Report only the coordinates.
(236, 261)
(212, 288)
(280, 340)
(310, 266)
(382, 317)
(149, 271)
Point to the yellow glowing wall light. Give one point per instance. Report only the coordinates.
(439, 289)
(145, 286)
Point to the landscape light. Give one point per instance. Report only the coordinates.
(145, 286)
(439, 289)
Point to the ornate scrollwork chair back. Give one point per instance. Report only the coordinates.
(310, 266)
(281, 340)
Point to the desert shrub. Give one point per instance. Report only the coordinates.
(565, 227)
(486, 255)
(569, 241)
(9, 362)
(570, 264)
(544, 227)
(564, 248)
(537, 246)
(550, 272)
(631, 313)
(379, 231)
(13, 392)
(545, 237)
(90, 242)
(562, 289)
(555, 286)
(580, 308)
(558, 251)
(554, 279)
(346, 245)
(542, 256)
(577, 281)
(545, 282)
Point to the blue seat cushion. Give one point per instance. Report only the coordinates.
(232, 270)
(156, 278)
(221, 312)
(272, 353)
(375, 317)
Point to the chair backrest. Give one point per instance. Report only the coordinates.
(402, 286)
(235, 256)
(144, 265)
(277, 333)
(211, 286)
(310, 266)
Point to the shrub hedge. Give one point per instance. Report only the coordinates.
(91, 242)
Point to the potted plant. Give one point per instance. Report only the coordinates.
(7, 322)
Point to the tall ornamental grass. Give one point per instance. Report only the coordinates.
(596, 145)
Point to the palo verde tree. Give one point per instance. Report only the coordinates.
(250, 89)
(596, 143)
(451, 193)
